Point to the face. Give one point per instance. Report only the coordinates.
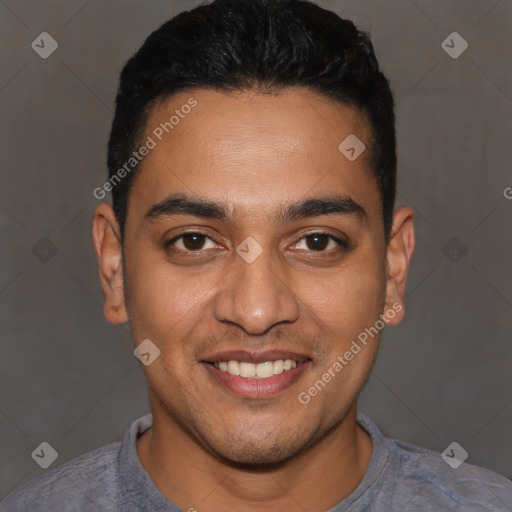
(253, 245)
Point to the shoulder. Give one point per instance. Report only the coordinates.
(426, 477)
(87, 482)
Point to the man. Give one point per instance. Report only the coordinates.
(253, 247)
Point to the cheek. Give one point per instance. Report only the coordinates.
(165, 302)
(347, 300)
(346, 306)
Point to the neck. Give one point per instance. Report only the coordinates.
(316, 480)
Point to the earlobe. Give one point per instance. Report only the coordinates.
(107, 243)
(398, 256)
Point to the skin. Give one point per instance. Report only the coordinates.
(208, 448)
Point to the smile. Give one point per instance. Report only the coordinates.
(256, 380)
(257, 371)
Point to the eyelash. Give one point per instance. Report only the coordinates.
(168, 244)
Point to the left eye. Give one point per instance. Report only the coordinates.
(191, 242)
(320, 242)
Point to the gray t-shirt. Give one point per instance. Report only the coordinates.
(400, 477)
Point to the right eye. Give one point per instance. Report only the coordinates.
(190, 241)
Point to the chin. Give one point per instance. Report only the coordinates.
(241, 451)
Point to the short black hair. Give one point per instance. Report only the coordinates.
(260, 45)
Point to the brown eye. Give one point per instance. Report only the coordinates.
(190, 242)
(194, 241)
(321, 242)
(317, 241)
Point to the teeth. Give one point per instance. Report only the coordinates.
(278, 367)
(234, 367)
(247, 370)
(258, 371)
(264, 370)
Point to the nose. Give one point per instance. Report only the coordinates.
(255, 296)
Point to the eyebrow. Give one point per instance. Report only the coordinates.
(315, 207)
(179, 204)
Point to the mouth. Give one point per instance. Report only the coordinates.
(263, 370)
(256, 375)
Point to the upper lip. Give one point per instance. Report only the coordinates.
(248, 356)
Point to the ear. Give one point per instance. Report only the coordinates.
(398, 257)
(106, 237)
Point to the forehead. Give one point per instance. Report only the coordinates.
(252, 150)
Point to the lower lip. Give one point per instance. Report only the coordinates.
(257, 388)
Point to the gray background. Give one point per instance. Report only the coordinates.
(69, 378)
